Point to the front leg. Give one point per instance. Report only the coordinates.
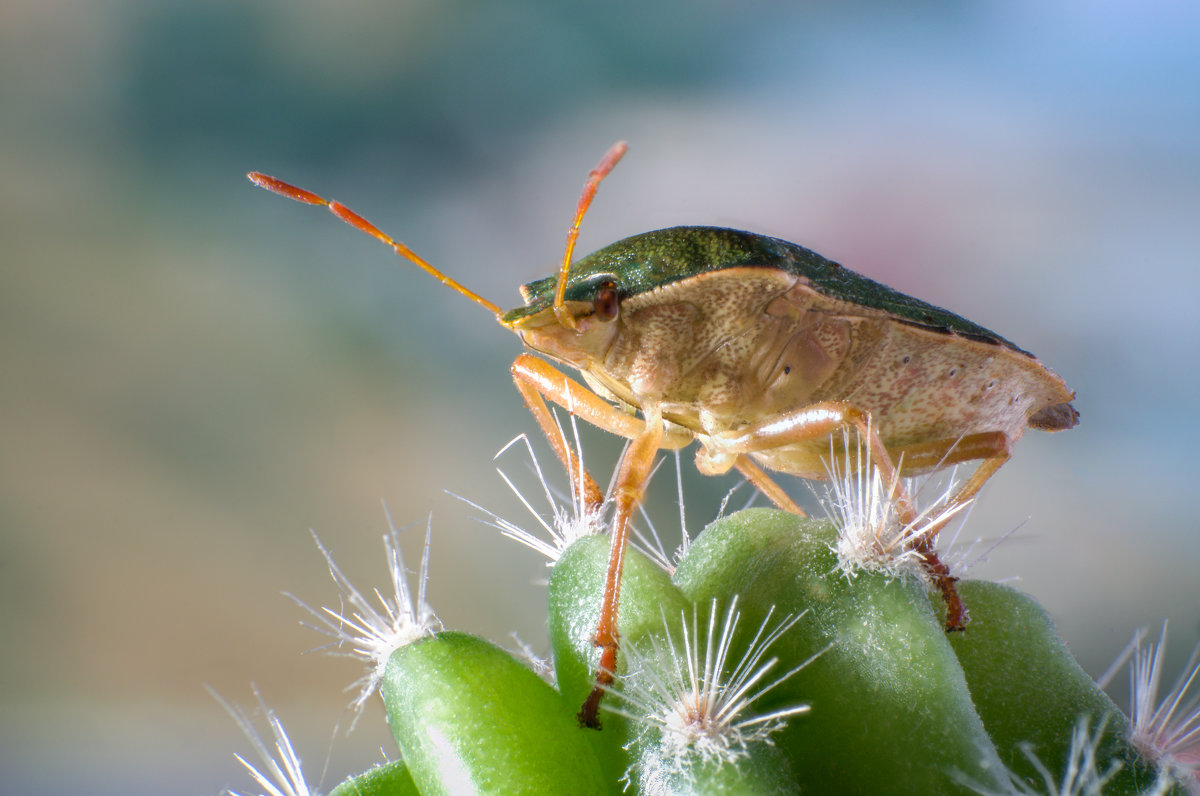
(632, 476)
(534, 379)
(537, 379)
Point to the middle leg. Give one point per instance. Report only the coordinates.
(821, 419)
(803, 425)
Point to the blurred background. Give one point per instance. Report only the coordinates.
(196, 373)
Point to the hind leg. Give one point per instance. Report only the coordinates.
(992, 447)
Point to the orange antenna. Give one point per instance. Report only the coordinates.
(597, 174)
(358, 222)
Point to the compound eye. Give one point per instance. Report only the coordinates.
(606, 304)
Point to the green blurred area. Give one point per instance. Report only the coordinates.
(195, 373)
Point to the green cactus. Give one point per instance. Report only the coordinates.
(765, 663)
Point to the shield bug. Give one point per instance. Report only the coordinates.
(763, 352)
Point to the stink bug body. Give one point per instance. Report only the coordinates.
(759, 350)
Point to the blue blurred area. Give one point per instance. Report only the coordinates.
(196, 372)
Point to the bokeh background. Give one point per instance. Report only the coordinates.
(196, 373)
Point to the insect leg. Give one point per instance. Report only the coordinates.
(810, 423)
(923, 457)
(996, 447)
(765, 484)
(993, 447)
(534, 378)
(538, 380)
(632, 476)
(818, 420)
